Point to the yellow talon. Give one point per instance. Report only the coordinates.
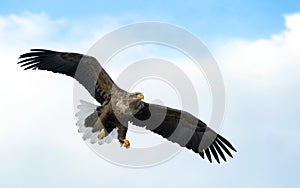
(126, 143)
(101, 134)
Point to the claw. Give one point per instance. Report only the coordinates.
(101, 134)
(126, 143)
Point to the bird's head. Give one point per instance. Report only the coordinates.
(137, 96)
(135, 101)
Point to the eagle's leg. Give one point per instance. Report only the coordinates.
(122, 130)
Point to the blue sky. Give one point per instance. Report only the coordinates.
(251, 19)
(255, 43)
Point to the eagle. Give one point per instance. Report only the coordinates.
(118, 107)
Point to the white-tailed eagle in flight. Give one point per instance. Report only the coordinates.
(118, 107)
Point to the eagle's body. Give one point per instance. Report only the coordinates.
(116, 113)
(118, 107)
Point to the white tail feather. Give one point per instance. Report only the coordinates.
(85, 109)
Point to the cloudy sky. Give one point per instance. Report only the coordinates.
(255, 43)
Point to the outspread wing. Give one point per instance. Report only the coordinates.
(183, 128)
(85, 69)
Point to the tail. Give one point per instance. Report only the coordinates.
(87, 120)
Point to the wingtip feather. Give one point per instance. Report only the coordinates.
(225, 141)
(224, 148)
(212, 149)
(208, 155)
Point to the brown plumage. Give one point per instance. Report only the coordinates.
(118, 107)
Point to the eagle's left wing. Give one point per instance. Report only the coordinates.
(183, 128)
(85, 69)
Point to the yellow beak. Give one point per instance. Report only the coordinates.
(140, 96)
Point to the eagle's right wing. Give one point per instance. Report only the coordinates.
(183, 128)
(85, 69)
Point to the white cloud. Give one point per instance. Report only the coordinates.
(27, 28)
(261, 76)
(266, 60)
(262, 81)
